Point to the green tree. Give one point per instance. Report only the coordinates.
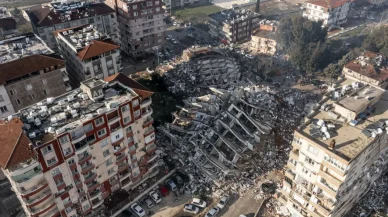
(16, 10)
(377, 41)
(332, 71)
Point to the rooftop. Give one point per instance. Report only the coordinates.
(87, 41)
(4, 13)
(21, 46)
(64, 12)
(329, 3)
(233, 15)
(265, 34)
(350, 137)
(53, 116)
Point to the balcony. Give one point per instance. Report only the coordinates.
(330, 178)
(39, 211)
(150, 147)
(42, 197)
(290, 174)
(25, 177)
(97, 203)
(34, 189)
(153, 166)
(84, 158)
(113, 119)
(294, 154)
(120, 158)
(81, 146)
(328, 189)
(52, 213)
(126, 183)
(122, 167)
(124, 175)
(92, 186)
(77, 135)
(148, 122)
(94, 194)
(90, 177)
(147, 113)
(149, 131)
(152, 157)
(118, 149)
(87, 168)
(146, 103)
(291, 166)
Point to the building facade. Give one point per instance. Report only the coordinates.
(264, 40)
(29, 73)
(339, 150)
(141, 25)
(8, 27)
(99, 139)
(177, 3)
(88, 53)
(233, 25)
(57, 16)
(332, 13)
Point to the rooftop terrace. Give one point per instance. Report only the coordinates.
(233, 15)
(351, 136)
(22, 46)
(82, 36)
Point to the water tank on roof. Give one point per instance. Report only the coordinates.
(50, 100)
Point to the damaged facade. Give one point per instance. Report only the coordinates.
(264, 40)
(340, 150)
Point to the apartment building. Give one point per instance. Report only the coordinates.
(177, 3)
(264, 40)
(80, 147)
(29, 73)
(339, 150)
(88, 53)
(233, 25)
(331, 12)
(141, 25)
(61, 15)
(8, 27)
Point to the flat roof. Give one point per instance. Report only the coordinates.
(350, 140)
(265, 34)
(233, 15)
(357, 101)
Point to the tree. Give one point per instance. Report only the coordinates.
(377, 41)
(332, 71)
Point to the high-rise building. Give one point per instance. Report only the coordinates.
(141, 25)
(63, 156)
(61, 15)
(341, 148)
(88, 53)
(29, 73)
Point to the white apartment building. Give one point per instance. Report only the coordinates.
(331, 12)
(141, 25)
(88, 53)
(61, 15)
(80, 147)
(339, 150)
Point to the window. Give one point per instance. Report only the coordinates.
(109, 62)
(3, 109)
(55, 171)
(71, 161)
(46, 92)
(105, 153)
(91, 20)
(83, 22)
(28, 87)
(51, 161)
(128, 129)
(157, 9)
(137, 113)
(111, 171)
(135, 103)
(101, 132)
(313, 150)
(149, 3)
(135, 14)
(64, 139)
(99, 121)
(1, 98)
(47, 149)
(44, 81)
(104, 143)
(58, 182)
(132, 148)
(88, 127)
(12, 92)
(32, 96)
(109, 162)
(156, 2)
(134, 7)
(118, 136)
(67, 151)
(91, 138)
(18, 101)
(127, 119)
(125, 108)
(309, 160)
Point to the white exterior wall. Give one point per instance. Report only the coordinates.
(330, 17)
(6, 102)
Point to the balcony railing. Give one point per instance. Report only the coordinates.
(89, 177)
(47, 206)
(35, 188)
(84, 157)
(43, 195)
(91, 186)
(122, 166)
(149, 131)
(87, 167)
(94, 194)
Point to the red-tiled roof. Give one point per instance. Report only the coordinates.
(96, 48)
(142, 91)
(46, 16)
(328, 3)
(370, 54)
(14, 144)
(26, 65)
(369, 71)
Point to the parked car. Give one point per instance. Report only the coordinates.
(164, 191)
(190, 35)
(149, 70)
(138, 210)
(160, 54)
(155, 196)
(213, 212)
(191, 208)
(148, 202)
(178, 179)
(173, 41)
(199, 202)
(169, 37)
(172, 185)
(224, 199)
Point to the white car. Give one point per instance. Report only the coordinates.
(191, 209)
(149, 70)
(249, 56)
(173, 41)
(223, 201)
(172, 185)
(175, 24)
(213, 212)
(160, 54)
(155, 196)
(199, 202)
(169, 37)
(147, 201)
(190, 35)
(138, 210)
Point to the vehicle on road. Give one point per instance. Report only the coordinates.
(172, 185)
(169, 37)
(212, 212)
(173, 41)
(190, 35)
(223, 201)
(191, 208)
(155, 196)
(160, 54)
(178, 179)
(199, 202)
(138, 210)
(148, 202)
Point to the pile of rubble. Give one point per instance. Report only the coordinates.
(232, 136)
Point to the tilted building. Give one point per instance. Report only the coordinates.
(339, 150)
(88, 53)
(141, 25)
(63, 156)
(47, 19)
(233, 25)
(331, 12)
(29, 73)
